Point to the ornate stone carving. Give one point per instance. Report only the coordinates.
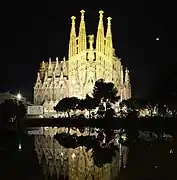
(77, 75)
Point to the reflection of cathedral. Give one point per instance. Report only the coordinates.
(70, 163)
(85, 65)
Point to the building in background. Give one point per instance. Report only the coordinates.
(7, 96)
(88, 61)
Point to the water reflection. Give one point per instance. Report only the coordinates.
(61, 161)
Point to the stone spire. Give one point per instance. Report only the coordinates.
(127, 84)
(127, 77)
(82, 34)
(109, 45)
(121, 75)
(38, 81)
(100, 34)
(72, 42)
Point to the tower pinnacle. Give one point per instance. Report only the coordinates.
(82, 13)
(109, 45)
(73, 20)
(82, 34)
(72, 42)
(101, 13)
(109, 20)
(100, 34)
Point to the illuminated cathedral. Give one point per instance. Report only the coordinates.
(89, 59)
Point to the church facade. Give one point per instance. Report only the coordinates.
(89, 59)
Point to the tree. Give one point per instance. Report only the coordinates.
(134, 103)
(105, 92)
(88, 103)
(11, 109)
(67, 104)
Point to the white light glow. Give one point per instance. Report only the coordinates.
(19, 96)
(73, 155)
(20, 147)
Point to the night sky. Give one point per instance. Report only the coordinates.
(42, 31)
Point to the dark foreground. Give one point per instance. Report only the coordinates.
(155, 124)
(147, 161)
(15, 164)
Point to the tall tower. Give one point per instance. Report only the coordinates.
(82, 47)
(108, 52)
(72, 61)
(82, 43)
(100, 48)
(72, 50)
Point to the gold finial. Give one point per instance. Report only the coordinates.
(82, 12)
(73, 19)
(101, 13)
(109, 18)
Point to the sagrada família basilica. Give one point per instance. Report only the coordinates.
(89, 59)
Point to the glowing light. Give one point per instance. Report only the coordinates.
(157, 39)
(19, 147)
(171, 151)
(19, 96)
(73, 155)
(124, 137)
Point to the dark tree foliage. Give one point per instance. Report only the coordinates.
(11, 109)
(135, 103)
(88, 103)
(105, 91)
(67, 104)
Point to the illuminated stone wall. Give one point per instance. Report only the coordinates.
(77, 163)
(85, 65)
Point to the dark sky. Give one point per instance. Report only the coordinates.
(33, 33)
